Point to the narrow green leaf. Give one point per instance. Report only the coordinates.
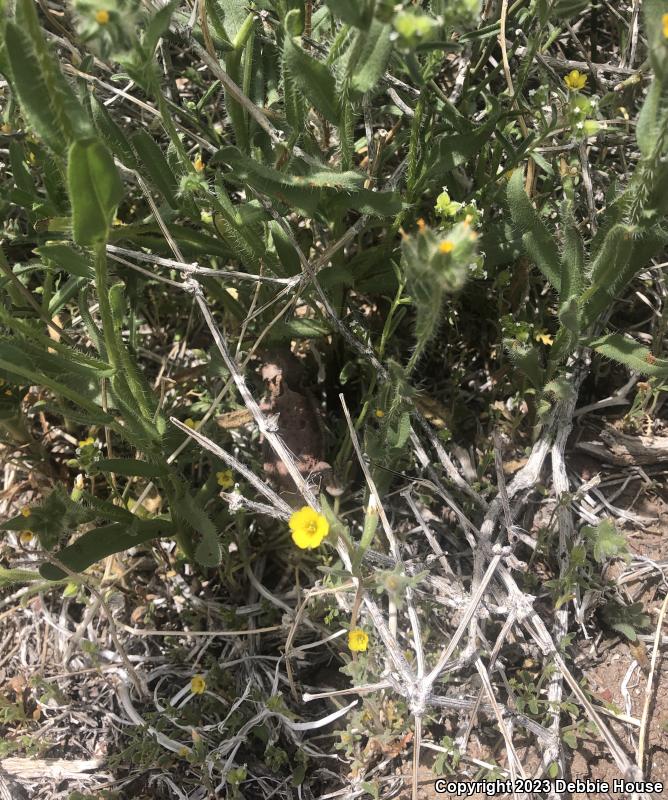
(158, 25)
(64, 256)
(631, 354)
(572, 262)
(155, 166)
(372, 56)
(113, 135)
(95, 190)
(350, 12)
(311, 76)
(46, 99)
(131, 467)
(538, 242)
(102, 542)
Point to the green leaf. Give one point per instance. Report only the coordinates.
(527, 360)
(113, 135)
(47, 100)
(458, 148)
(8, 577)
(572, 262)
(155, 166)
(131, 467)
(312, 77)
(95, 190)
(105, 541)
(605, 541)
(626, 630)
(658, 55)
(349, 11)
(158, 25)
(633, 355)
(64, 256)
(372, 53)
(307, 191)
(208, 551)
(538, 242)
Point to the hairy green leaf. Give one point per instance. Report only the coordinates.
(95, 190)
(538, 242)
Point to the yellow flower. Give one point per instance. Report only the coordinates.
(380, 413)
(26, 511)
(575, 80)
(446, 246)
(183, 752)
(197, 684)
(198, 164)
(102, 17)
(308, 528)
(86, 442)
(25, 537)
(358, 640)
(664, 25)
(544, 338)
(190, 423)
(225, 478)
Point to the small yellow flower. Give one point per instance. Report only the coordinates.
(664, 25)
(225, 478)
(183, 752)
(190, 423)
(380, 413)
(102, 16)
(446, 246)
(25, 511)
(575, 80)
(544, 338)
(25, 537)
(86, 442)
(198, 164)
(308, 528)
(358, 640)
(197, 684)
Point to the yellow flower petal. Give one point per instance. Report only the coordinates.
(197, 684)
(198, 164)
(446, 246)
(544, 338)
(190, 423)
(25, 511)
(25, 537)
(308, 528)
(380, 413)
(102, 16)
(86, 442)
(664, 25)
(358, 640)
